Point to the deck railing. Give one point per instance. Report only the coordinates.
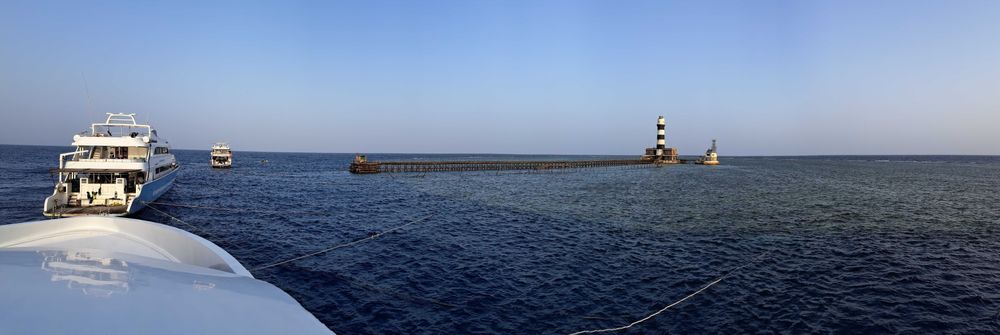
(113, 160)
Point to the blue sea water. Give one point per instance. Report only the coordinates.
(864, 244)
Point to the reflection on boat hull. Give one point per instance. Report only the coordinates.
(95, 276)
(104, 275)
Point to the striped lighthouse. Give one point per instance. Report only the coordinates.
(661, 136)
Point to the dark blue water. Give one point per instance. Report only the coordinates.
(859, 244)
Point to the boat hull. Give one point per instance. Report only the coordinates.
(148, 192)
(101, 275)
(151, 191)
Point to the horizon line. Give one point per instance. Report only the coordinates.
(541, 154)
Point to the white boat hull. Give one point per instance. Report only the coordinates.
(101, 275)
(152, 191)
(147, 193)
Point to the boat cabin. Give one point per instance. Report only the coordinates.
(222, 157)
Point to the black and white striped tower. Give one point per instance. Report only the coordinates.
(661, 136)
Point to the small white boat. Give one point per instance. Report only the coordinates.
(117, 168)
(104, 275)
(222, 157)
(711, 156)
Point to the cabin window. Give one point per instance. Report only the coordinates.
(161, 151)
(98, 178)
(119, 152)
(137, 152)
(163, 168)
(109, 153)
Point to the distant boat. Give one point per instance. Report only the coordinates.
(222, 157)
(117, 168)
(711, 156)
(108, 275)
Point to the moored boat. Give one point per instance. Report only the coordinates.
(118, 167)
(222, 157)
(711, 156)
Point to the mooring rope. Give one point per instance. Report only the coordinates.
(350, 281)
(208, 207)
(402, 295)
(344, 245)
(176, 219)
(731, 272)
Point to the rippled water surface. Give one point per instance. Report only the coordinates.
(857, 244)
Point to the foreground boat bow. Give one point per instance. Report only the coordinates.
(104, 275)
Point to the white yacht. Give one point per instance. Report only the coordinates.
(222, 157)
(118, 167)
(105, 275)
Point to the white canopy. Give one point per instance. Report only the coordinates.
(108, 141)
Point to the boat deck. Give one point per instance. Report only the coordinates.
(90, 210)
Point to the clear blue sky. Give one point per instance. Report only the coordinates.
(576, 77)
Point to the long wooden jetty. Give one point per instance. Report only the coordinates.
(361, 165)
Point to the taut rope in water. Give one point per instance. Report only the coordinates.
(176, 219)
(379, 234)
(344, 245)
(350, 281)
(207, 207)
(731, 272)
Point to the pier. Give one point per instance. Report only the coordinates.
(657, 156)
(361, 165)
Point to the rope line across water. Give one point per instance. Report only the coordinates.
(202, 231)
(731, 272)
(372, 237)
(350, 281)
(376, 235)
(208, 207)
